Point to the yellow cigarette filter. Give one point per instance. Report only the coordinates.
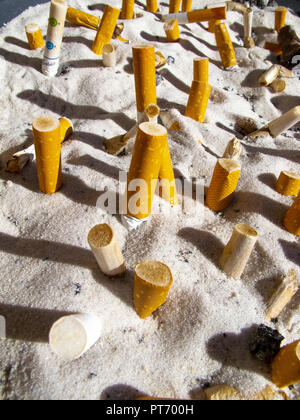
(106, 29)
(225, 46)
(286, 366)
(223, 184)
(292, 218)
(149, 149)
(288, 183)
(144, 76)
(152, 283)
(280, 17)
(77, 17)
(172, 30)
(198, 100)
(66, 129)
(273, 47)
(34, 36)
(127, 9)
(186, 5)
(47, 142)
(152, 6)
(201, 69)
(167, 188)
(174, 6)
(212, 24)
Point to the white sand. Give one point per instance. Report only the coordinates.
(202, 332)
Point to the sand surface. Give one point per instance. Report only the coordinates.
(202, 333)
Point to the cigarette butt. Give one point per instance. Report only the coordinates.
(238, 250)
(273, 47)
(280, 17)
(198, 101)
(106, 250)
(223, 184)
(286, 73)
(186, 5)
(172, 30)
(174, 6)
(109, 55)
(160, 60)
(195, 16)
(66, 129)
(169, 120)
(152, 6)
(149, 148)
(77, 17)
(233, 150)
(106, 29)
(278, 85)
(211, 25)
(269, 76)
(72, 336)
(47, 142)
(152, 112)
(152, 283)
(286, 366)
(34, 36)
(288, 183)
(167, 189)
(127, 9)
(233, 6)
(286, 121)
(17, 162)
(292, 218)
(144, 75)
(201, 69)
(248, 22)
(225, 46)
(222, 393)
(283, 295)
(2, 327)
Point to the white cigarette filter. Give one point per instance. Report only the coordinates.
(286, 121)
(248, 22)
(106, 250)
(195, 16)
(238, 250)
(57, 17)
(72, 336)
(109, 55)
(269, 76)
(34, 36)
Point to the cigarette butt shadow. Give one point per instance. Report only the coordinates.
(202, 41)
(171, 78)
(291, 250)
(17, 42)
(154, 38)
(77, 40)
(285, 102)
(121, 392)
(165, 104)
(97, 165)
(98, 6)
(268, 179)
(293, 155)
(85, 64)
(238, 28)
(251, 80)
(92, 139)
(128, 68)
(230, 130)
(22, 60)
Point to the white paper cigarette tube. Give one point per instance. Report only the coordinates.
(2, 327)
(57, 17)
(106, 250)
(284, 122)
(109, 55)
(248, 22)
(269, 76)
(71, 336)
(238, 250)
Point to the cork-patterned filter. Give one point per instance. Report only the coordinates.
(174, 6)
(66, 129)
(292, 217)
(106, 29)
(225, 46)
(223, 184)
(201, 69)
(212, 23)
(83, 19)
(186, 5)
(152, 6)
(149, 149)
(198, 101)
(144, 75)
(127, 9)
(152, 283)
(172, 30)
(100, 236)
(205, 15)
(47, 142)
(286, 366)
(166, 175)
(280, 17)
(34, 36)
(288, 183)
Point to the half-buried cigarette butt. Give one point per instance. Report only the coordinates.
(286, 366)
(144, 76)
(203, 15)
(152, 283)
(172, 30)
(278, 85)
(225, 46)
(66, 129)
(288, 183)
(72, 336)
(186, 5)
(273, 47)
(152, 6)
(212, 24)
(222, 393)
(286, 121)
(201, 69)
(198, 101)
(127, 9)
(109, 55)
(292, 218)
(77, 17)
(34, 36)
(106, 250)
(233, 150)
(174, 6)
(280, 17)
(152, 112)
(47, 142)
(269, 76)
(238, 250)
(106, 29)
(223, 184)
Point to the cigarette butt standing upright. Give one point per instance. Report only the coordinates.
(47, 142)
(225, 46)
(211, 25)
(106, 250)
(186, 5)
(106, 29)
(286, 366)
(152, 283)
(152, 6)
(198, 101)
(144, 76)
(201, 69)
(109, 55)
(284, 122)
(292, 218)
(205, 15)
(127, 9)
(80, 18)
(223, 184)
(174, 6)
(238, 250)
(280, 17)
(172, 30)
(58, 11)
(288, 183)
(248, 22)
(71, 336)
(34, 36)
